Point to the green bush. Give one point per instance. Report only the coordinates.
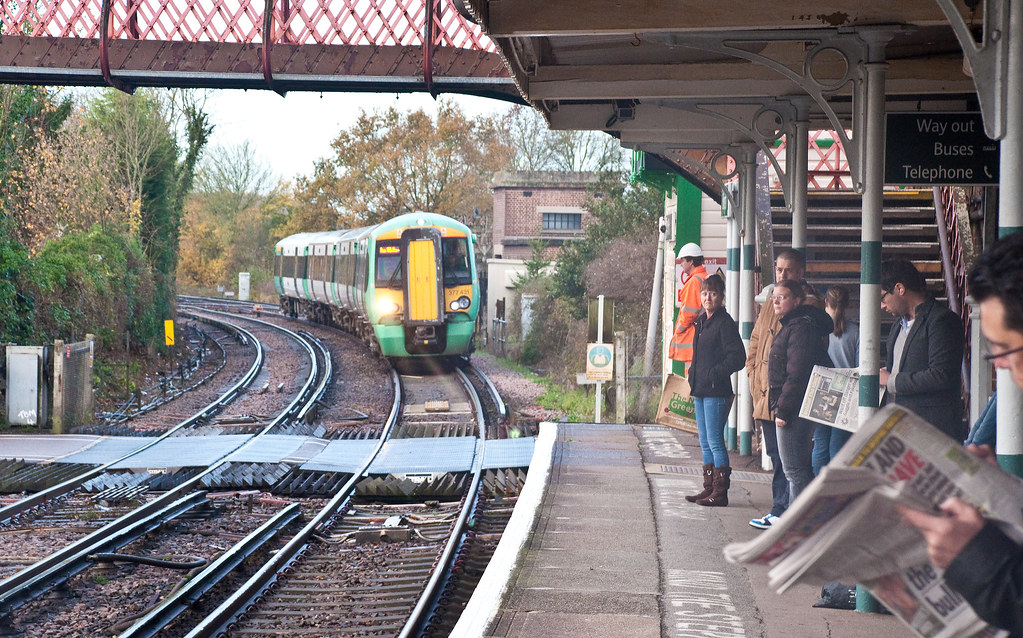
(93, 282)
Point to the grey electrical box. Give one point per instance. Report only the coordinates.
(27, 396)
(243, 286)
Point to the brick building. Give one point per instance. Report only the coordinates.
(546, 205)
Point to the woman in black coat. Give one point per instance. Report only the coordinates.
(717, 353)
(801, 343)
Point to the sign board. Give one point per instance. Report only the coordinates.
(713, 266)
(168, 332)
(599, 361)
(937, 149)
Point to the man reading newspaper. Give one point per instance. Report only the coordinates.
(848, 524)
(982, 562)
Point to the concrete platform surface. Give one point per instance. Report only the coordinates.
(611, 548)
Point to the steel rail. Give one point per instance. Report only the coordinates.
(124, 413)
(428, 599)
(26, 584)
(21, 507)
(193, 300)
(248, 593)
(298, 405)
(502, 409)
(174, 604)
(57, 568)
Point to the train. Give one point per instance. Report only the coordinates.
(408, 287)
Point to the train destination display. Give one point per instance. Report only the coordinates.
(935, 149)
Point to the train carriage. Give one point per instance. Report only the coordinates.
(408, 286)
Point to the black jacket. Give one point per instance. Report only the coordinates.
(717, 353)
(988, 572)
(801, 344)
(929, 377)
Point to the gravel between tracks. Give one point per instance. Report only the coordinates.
(519, 393)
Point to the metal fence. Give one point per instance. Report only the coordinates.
(72, 384)
(498, 341)
(632, 397)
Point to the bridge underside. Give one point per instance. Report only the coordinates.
(305, 67)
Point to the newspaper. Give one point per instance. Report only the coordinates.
(833, 398)
(845, 525)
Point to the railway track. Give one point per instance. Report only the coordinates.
(391, 547)
(183, 492)
(370, 569)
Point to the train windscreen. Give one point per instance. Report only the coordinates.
(456, 261)
(388, 266)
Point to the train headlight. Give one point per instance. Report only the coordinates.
(462, 303)
(387, 307)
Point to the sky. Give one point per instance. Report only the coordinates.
(290, 133)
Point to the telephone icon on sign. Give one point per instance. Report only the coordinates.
(988, 173)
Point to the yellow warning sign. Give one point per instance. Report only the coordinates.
(168, 332)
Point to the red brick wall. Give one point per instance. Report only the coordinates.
(517, 205)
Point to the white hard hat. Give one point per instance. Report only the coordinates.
(689, 250)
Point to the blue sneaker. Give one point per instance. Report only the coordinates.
(763, 523)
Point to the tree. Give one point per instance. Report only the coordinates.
(396, 162)
(17, 311)
(151, 168)
(621, 209)
(232, 220)
(28, 116)
(67, 184)
(136, 128)
(538, 148)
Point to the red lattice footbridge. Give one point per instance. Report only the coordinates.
(283, 45)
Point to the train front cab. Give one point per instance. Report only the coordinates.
(437, 299)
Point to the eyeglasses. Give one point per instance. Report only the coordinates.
(1003, 353)
(781, 297)
(884, 293)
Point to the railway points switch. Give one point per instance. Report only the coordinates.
(394, 528)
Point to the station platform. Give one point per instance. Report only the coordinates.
(603, 544)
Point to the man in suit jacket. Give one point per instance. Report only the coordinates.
(925, 350)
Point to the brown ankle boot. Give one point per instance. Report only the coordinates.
(719, 496)
(708, 483)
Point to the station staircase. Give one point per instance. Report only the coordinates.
(834, 221)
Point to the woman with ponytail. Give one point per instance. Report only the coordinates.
(844, 350)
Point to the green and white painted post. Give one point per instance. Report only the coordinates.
(748, 204)
(872, 163)
(1010, 220)
(740, 383)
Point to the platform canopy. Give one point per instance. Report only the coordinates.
(683, 79)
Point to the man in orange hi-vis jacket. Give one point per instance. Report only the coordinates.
(690, 257)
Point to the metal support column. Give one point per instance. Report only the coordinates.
(1010, 220)
(870, 250)
(799, 168)
(739, 380)
(748, 203)
(651, 323)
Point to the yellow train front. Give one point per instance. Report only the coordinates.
(408, 286)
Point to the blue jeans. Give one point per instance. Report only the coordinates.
(711, 416)
(838, 439)
(795, 442)
(827, 441)
(821, 447)
(779, 484)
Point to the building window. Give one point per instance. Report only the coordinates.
(562, 221)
